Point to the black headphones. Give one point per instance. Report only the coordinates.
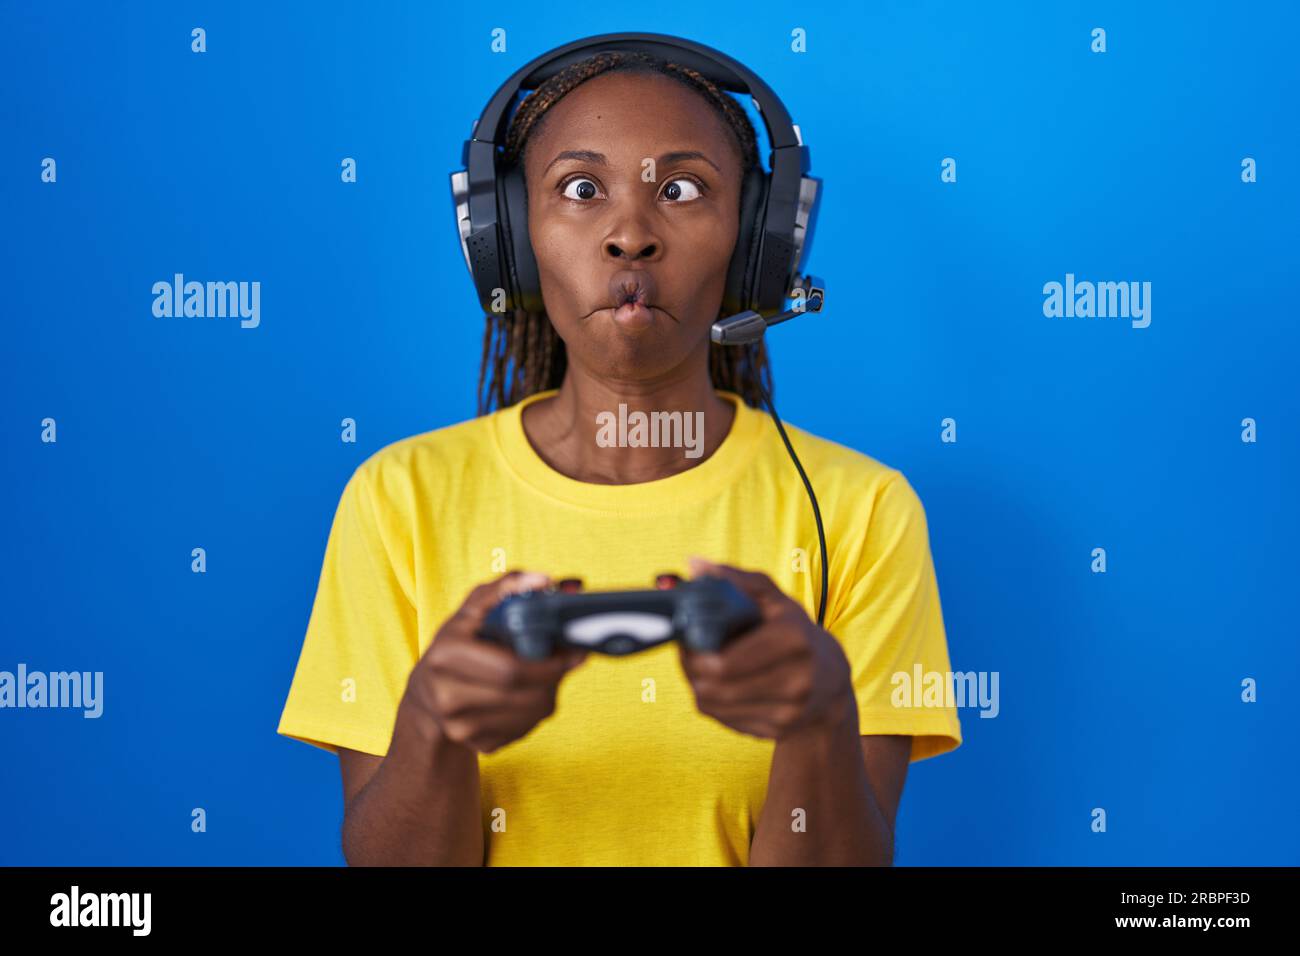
(778, 210)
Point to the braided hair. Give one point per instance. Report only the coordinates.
(522, 353)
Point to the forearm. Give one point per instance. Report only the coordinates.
(820, 771)
(422, 806)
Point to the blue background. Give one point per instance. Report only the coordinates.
(1118, 690)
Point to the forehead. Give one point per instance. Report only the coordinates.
(629, 114)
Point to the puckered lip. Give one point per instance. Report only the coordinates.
(632, 286)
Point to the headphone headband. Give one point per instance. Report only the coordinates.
(713, 65)
(777, 208)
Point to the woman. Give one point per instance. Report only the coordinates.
(788, 747)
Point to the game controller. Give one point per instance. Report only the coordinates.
(704, 613)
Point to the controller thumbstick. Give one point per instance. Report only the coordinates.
(533, 645)
(704, 636)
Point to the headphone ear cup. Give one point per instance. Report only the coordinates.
(525, 289)
(739, 294)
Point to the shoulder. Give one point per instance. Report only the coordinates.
(855, 484)
(430, 460)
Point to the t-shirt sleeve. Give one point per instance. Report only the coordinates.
(361, 640)
(891, 627)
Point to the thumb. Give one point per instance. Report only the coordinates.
(489, 594)
(756, 586)
(514, 582)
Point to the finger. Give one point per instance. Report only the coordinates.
(758, 586)
(463, 700)
(487, 732)
(492, 665)
(783, 682)
(759, 649)
(773, 714)
(488, 595)
(764, 691)
(753, 727)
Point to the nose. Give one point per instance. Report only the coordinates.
(615, 250)
(631, 238)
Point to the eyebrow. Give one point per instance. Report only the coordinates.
(591, 156)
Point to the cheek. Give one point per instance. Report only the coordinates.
(564, 272)
(703, 251)
(557, 247)
(712, 240)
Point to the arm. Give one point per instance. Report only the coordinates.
(889, 618)
(416, 806)
(848, 787)
(421, 803)
(832, 793)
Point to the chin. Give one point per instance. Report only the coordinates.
(631, 358)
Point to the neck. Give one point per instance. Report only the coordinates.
(581, 431)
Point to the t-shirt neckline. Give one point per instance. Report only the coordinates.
(700, 481)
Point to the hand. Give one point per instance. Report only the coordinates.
(781, 676)
(478, 693)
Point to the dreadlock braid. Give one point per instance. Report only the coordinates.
(522, 354)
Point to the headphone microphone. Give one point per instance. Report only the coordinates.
(749, 326)
(778, 211)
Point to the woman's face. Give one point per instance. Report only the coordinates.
(608, 226)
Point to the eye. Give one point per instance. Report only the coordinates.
(682, 190)
(586, 189)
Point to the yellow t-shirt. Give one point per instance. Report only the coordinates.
(626, 771)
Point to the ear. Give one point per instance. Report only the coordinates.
(741, 279)
(525, 291)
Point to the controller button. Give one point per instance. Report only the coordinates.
(666, 582)
(620, 644)
(569, 585)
